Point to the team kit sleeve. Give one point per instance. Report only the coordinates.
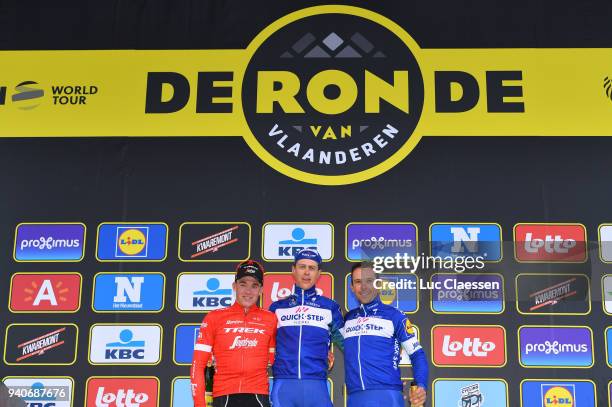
(406, 335)
(272, 343)
(201, 355)
(336, 327)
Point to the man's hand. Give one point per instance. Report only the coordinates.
(417, 395)
(330, 360)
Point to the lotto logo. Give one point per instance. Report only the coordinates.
(565, 243)
(469, 345)
(122, 392)
(280, 285)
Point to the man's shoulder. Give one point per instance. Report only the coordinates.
(352, 314)
(327, 302)
(266, 315)
(282, 303)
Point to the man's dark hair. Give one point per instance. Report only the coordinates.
(361, 264)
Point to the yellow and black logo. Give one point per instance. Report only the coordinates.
(332, 95)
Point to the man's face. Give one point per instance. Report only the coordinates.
(363, 285)
(247, 290)
(305, 273)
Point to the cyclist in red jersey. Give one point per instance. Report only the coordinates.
(241, 338)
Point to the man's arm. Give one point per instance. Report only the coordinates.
(201, 355)
(336, 327)
(407, 337)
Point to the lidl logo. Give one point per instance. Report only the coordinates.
(282, 241)
(462, 240)
(558, 393)
(470, 393)
(204, 292)
(40, 391)
(50, 292)
(132, 242)
(185, 338)
(125, 344)
(133, 292)
(397, 290)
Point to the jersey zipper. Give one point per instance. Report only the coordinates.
(242, 356)
(300, 344)
(359, 351)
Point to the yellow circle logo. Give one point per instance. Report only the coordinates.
(558, 396)
(332, 94)
(132, 242)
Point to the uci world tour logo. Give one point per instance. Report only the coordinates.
(332, 95)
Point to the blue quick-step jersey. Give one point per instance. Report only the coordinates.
(307, 324)
(373, 335)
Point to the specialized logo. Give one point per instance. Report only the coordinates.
(125, 344)
(131, 242)
(548, 393)
(204, 292)
(467, 293)
(280, 285)
(282, 241)
(40, 242)
(364, 241)
(214, 241)
(605, 242)
(466, 240)
(133, 292)
(553, 294)
(535, 242)
(122, 392)
(40, 344)
(33, 292)
(555, 346)
(397, 290)
(470, 393)
(40, 391)
(467, 345)
(185, 338)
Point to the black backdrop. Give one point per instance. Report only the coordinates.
(490, 179)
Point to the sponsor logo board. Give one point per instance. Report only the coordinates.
(556, 393)
(466, 239)
(205, 291)
(185, 338)
(132, 242)
(128, 292)
(280, 285)
(550, 242)
(41, 344)
(397, 290)
(470, 393)
(281, 241)
(468, 345)
(40, 391)
(138, 344)
(45, 292)
(545, 294)
(122, 391)
(214, 241)
(48, 242)
(467, 293)
(364, 241)
(555, 346)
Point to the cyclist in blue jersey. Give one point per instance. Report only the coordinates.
(373, 335)
(307, 325)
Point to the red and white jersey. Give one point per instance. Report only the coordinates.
(243, 346)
